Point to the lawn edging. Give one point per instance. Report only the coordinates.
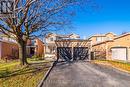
(46, 75)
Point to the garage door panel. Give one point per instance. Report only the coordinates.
(119, 53)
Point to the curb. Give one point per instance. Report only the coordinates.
(46, 75)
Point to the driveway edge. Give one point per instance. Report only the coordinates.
(46, 75)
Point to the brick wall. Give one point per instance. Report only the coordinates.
(9, 50)
(40, 48)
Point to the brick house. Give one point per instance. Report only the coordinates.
(9, 48)
(35, 47)
(117, 48)
(101, 37)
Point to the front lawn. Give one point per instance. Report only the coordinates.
(123, 66)
(13, 75)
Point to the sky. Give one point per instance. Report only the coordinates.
(111, 16)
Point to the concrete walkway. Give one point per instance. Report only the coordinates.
(85, 74)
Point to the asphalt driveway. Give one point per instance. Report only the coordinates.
(85, 74)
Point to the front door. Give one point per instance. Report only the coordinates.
(32, 51)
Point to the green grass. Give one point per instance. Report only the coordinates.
(118, 64)
(13, 75)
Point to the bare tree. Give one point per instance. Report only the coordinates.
(34, 17)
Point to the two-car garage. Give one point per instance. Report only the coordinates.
(72, 49)
(72, 53)
(119, 53)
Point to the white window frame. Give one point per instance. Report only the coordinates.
(99, 39)
(51, 39)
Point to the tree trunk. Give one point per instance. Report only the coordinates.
(22, 53)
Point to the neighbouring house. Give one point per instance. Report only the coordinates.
(6, 38)
(9, 48)
(101, 37)
(35, 47)
(117, 48)
(50, 41)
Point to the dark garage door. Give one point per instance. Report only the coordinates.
(64, 53)
(77, 53)
(80, 53)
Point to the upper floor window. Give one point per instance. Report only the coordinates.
(33, 42)
(5, 38)
(58, 38)
(51, 39)
(108, 38)
(0, 38)
(99, 39)
(6, 8)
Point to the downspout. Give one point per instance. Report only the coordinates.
(106, 51)
(90, 50)
(127, 53)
